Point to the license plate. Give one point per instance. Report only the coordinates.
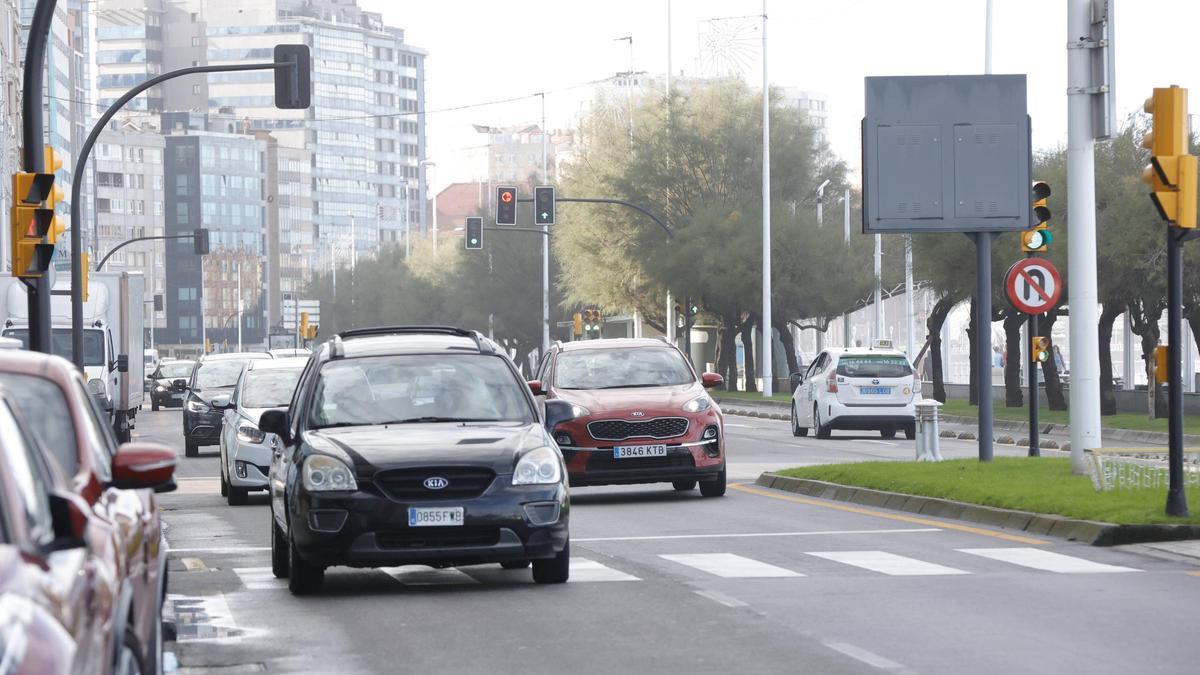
(627, 451)
(177, 397)
(866, 391)
(440, 516)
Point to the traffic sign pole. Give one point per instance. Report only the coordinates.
(1176, 497)
(1034, 448)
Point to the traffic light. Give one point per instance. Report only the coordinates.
(1039, 349)
(543, 205)
(200, 241)
(207, 346)
(1171, 174)
(506, 205)
(293, 77)
(30, 222)
(303, 325)
(1035, 239)
(591, 323)
(53, 195)
(474, 239)
(312, 331)
(84, 262)
(692, 309)
(1160, 364)
(577, 324)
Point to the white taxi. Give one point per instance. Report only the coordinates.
(858, 389)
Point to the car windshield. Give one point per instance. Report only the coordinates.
(871, 365)
(93, 343)
(269, 388)
(218, 374)
(621, 367)
(44, 407)
(418, 388)
(172, 371)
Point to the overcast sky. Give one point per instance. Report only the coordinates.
(482, 51)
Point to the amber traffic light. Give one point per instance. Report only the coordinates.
(1171, 173)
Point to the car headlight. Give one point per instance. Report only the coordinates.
(579, 411)
(323, 473)
(96, 386)
(160, 388)
(538, 467)
(196, 405)
(249, 433)
(698, 404)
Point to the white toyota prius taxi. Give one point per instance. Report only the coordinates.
(858, 389)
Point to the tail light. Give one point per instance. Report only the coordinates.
(831, 382)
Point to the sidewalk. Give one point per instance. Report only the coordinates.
(1059, 433)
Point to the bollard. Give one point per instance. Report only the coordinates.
(926, 413)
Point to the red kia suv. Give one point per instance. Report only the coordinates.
(641, 415)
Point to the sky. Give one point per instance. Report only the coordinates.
(484, 51)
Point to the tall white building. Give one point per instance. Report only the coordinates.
(813, 104)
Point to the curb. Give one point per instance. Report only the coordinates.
(1087, 531)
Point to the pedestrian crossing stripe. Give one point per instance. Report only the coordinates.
(1048, 561)
(729, 565)
(259, 578)
(887, 563)
(584, 570)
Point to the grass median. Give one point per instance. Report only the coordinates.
(1042, 485)
(751, 396)
(1132, 421)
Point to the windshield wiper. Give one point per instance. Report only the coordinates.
(430, 419)
(633, 386)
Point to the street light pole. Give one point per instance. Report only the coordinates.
(767, 369)
(545, 245)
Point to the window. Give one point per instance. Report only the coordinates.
(26, 477)
(622, 367)
(158, 182)
(196, 89)
(158, 208)
(197, 41)
(44, 408)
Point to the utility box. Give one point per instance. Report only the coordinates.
(946, 154)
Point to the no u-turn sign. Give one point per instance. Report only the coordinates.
(1033, 285)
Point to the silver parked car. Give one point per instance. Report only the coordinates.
(245, 450)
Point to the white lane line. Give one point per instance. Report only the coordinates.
(1046, 560)
(729, 565)
(733, 425)
(259, 578)
(427, 576)
(736, 535)
(862, 655)
(584, 570)
(202, 618)
(887, 563)
(870, 440)
(222, 549)
(721, 598)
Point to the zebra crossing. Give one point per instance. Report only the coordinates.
(735, 566)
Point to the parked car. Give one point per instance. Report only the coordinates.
(168, 384)
(856, 388)
(415, 445)
(642, 415)
(289, 352)
(115, 484)
(214, 375)
(245, 449)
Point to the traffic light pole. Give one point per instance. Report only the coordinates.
(1176, 497)
(1034, 447)
(983, 339)
(123, 244)
(81, 164)
(33, 158)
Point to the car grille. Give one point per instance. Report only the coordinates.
(619, 430)
(604, 461)
(465, 482)
(438, 537)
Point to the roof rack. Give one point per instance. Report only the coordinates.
(481, 343)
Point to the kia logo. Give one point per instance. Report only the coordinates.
(638, 413)
(874, 381)
(436, 483)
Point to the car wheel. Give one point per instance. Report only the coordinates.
(797, 430)
(714, 488)
(910, 431)
(190, 448)
(683, 485)
(304, 578)
(279, 545)
(554, 570)
(515, 564)
(237, 496)
(128, 662)
(224, 480)
(888, 432)
(822, 431)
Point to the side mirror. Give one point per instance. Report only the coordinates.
(710, 380)
(68, 513)
(795, 380)
(179, 384)
(144, 465)
(535, 386)
(557, 412)
(276, 422)
(221, 402)
(123, 363)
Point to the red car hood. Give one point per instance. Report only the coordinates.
(653, 401)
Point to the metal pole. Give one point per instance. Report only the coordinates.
(987, 38)
(33, 160)
(877, 321)
(203, 312)
(767, 370)
(670, 322)
(910, 336)
(1081, 253)
(239, 305)
(407, 209)
(1127, 352)
(545, 245)
(670, 319)
(1034, 443)
(983, 340)
(846, 216)
(1176, 497)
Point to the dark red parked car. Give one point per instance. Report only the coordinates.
(642, 415)
(116, 484)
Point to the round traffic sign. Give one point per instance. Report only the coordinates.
(1033, 285)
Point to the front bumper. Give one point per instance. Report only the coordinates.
(249, 466)
(367, 529)
(167, 398)
(689, 457)
(202, 428)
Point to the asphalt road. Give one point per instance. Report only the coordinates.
(755, 582)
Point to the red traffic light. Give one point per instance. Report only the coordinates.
(506, 196)
(506, 205)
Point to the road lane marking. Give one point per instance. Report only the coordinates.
(811, 501)
(730, 566)
(222, 549)
(197, 486)
(1046, 560)
(194, 565)
(871, 440)
(887, 563)
(584, 570)
(862, 655)
(722, 599)
(259, 578)
(202, 618)
(1194, 574)
(735, 535)
(420, 575)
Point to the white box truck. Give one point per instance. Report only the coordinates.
(112, 336)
